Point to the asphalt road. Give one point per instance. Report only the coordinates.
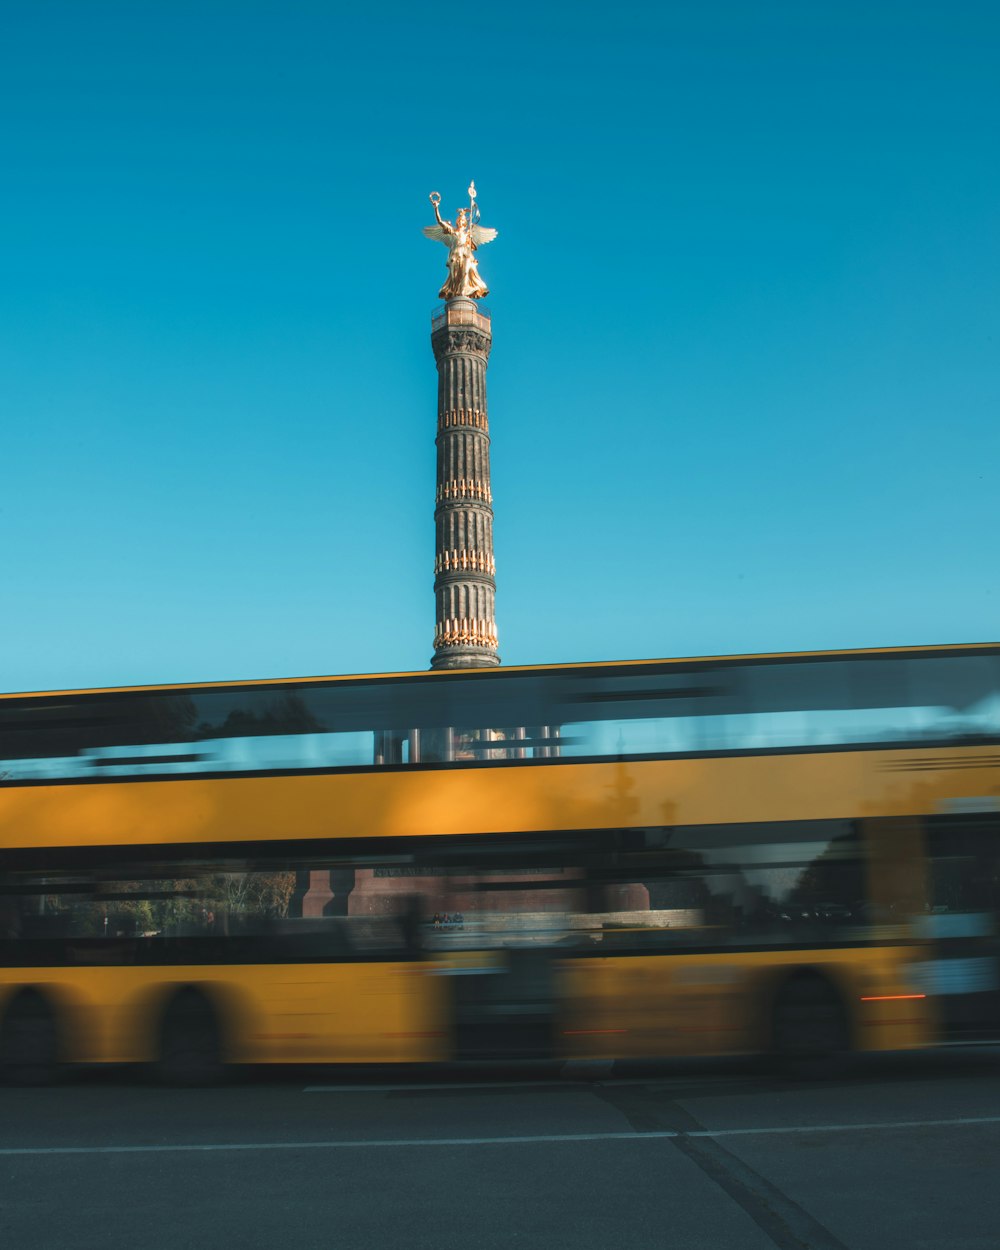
(897, 1154)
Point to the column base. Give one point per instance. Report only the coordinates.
(464, 657)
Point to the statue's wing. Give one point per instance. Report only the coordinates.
(436, 233)
(483, 234)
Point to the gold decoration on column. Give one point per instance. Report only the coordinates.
(478, 561)
(464, 631)
(462, 416)
(464, 488)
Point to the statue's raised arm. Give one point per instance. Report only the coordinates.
(461, 239)
(443, 229)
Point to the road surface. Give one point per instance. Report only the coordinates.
(691, 1156)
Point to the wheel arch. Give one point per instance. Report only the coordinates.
(54, 1000)
(33, 1037)
(226, 1004)
(779, 980)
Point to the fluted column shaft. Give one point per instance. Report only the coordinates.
(465, 633)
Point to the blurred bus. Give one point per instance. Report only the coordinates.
(796, 854)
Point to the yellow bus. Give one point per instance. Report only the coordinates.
(796, 854)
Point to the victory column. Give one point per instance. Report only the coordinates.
(465, 632)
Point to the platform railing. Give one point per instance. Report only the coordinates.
(461, 313)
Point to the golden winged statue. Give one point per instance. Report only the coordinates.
(461, 240)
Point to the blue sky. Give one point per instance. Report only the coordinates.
(744, 386)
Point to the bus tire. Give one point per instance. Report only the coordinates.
(29, 1041)
(810, 1030)
(190, 1047)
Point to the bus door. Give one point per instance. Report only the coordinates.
(962, 924)
(503, 1004)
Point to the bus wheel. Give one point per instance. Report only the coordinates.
(29, 1041)
(810, 1031)
(190, 1042)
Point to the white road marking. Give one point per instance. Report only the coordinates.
(776, 1130)
(403, 1143)
(527, 1140)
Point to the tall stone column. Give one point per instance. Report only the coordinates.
(465, 632)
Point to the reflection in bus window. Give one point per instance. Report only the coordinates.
(505, 717)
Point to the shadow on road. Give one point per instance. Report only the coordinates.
(966, 1062)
